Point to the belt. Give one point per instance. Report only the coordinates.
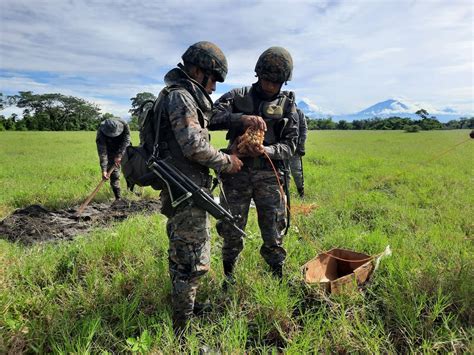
(261, 163)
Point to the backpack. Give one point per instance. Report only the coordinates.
(134, 159)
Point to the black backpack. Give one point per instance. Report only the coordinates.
(134, 160)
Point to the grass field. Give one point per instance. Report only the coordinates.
(108, 291)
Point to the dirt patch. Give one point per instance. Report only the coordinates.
(37, 224)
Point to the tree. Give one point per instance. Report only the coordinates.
(359, 124)
(428, 124)
(133, 123)
(20, 125)
(57, 112)
(9, 123)
(422, 113)
(342, 124)
(412, 128)
(107, 116)
(325, 123)
(140, 98)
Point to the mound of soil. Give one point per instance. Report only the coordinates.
(37, 224)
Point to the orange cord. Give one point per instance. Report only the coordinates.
(286, 207)
(282, 193)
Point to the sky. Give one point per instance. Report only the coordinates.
(348, 55)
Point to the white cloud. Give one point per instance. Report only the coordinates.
(378, 54)
(348, 55)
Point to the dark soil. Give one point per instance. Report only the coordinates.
(37, 224)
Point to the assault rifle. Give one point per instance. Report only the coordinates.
(181, 188)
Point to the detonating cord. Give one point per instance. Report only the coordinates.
(447, 151)
(311, 242)
(282, 192)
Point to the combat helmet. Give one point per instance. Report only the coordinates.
(111, 128)
(207, 56)
(275, 64)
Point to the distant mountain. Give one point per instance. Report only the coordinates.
(383, 109)
(312, 110)
(387, 107)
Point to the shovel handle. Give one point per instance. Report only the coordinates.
(91, 196)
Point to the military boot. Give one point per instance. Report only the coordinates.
(277, 271)
(117, 193)
(229, 275)
(301, 192)
(201, 308)
(180, 326)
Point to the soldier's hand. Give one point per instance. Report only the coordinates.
(118, 160)
(236, 165)
(105, 176)
(254, 121)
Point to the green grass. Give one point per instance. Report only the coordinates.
(108, 291)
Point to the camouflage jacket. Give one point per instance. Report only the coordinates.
(282, 129)
(183, 130)
(111, 147)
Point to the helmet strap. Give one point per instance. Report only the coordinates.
(207, 76)
(205, 80)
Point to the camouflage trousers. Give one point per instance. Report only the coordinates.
(261, 186)
(114, 177)
(189, 253)
(296, 168)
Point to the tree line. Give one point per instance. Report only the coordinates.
(50, 112)
(391, 123)
(58, 112)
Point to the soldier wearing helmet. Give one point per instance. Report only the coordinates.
(265, 106)
(184, 139)
(113, 136)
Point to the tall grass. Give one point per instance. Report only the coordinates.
(108, 291)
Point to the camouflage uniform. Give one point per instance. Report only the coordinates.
(257, 179)
(185, 139)
(296, 162)
(108, 149)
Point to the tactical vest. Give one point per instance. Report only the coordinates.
(169, 147)
(274, 113)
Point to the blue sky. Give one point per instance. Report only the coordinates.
(348, 55)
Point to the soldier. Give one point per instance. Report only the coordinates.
(113, 136)
(296, 161)
(184, 138)
(261, 105)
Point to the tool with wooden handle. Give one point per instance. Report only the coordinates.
(96, 190)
